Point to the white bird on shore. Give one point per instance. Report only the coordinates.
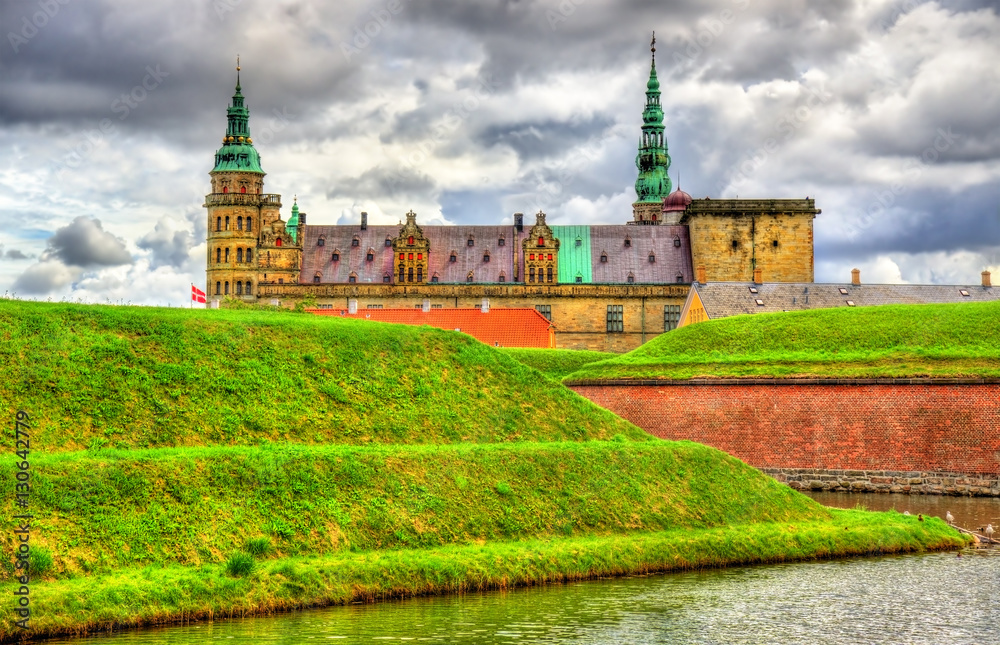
(989, 531)
(949, 517)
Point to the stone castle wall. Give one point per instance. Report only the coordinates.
(880, 431)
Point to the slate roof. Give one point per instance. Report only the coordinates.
(671, 261)
(501, 327)
(723, 299)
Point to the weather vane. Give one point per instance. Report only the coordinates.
(237, 62)
(652, 45)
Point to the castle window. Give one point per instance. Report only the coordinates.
(409, 256)
(355, 241)
(549, 279)
(501, 242)
(671, 316)
(735, 245)
(409, 241)
(486, 257)
(281, 281)
(316, 279)
(409, 275)
(249, 224)
(277, 242)
(386, 278)
(541, 241)
(652, 258)
(545, 310)
(654, 218)
(604, 258)
(472, 242)
(225, 190)
(227, 222)
(774, 243)
(579, 279)
(550, 256)
(402, 256)
(579, 242)
(531, 274)
(434, 278)
(402, 273)
(420, 274)
(452, 258)
(243, 189)
(630, 279)
(249, 257)
(321, 241)
(352, 278)
(373, 306)
(227, 256)
(218, 256)
(227, 287)
(239, 223)
(239, 255)
(616, 318)
(680, 279)
(420, 256)
(336, 256)
(249, 288)
(218, 287)
(531, 257)
(470, 277)
(239, 288)
(388, 242)
(628, 243)
(218, 224)
(677, 242)
(370, 257)
(503, 277)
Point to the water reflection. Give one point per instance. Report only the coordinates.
(970, 512)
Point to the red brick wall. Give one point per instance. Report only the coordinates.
(899, 426)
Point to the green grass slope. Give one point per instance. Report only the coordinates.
(556, 363)
(889, 341)
(133, 377)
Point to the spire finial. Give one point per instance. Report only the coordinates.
(652, 45)
(237, 72)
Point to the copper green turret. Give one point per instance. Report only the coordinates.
(293, 221)
(653, 162)
(237, 152)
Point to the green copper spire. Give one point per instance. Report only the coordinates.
(293, 222)
(237, 152)
(652, 161)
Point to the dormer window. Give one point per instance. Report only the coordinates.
(355, 241)
(604, 258)
(503, 277)
(630, 279)
(472, 242)
(316, 278)
(371, 255)
(579, 279)
(628, 243)
(321, 241)
(336, 256)
(486, 257)
(677, 242)
(470, 277)
(434, 278)
(352, 278)
(652, 258)
(452, 257)
(679, 279)
(388, 242)
(386, 278)
(579, 242)
(501, 242)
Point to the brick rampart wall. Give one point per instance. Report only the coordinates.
(901, 425)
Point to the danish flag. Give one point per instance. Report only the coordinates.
(197, 295)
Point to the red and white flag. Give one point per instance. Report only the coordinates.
(197, 295)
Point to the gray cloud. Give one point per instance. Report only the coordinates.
(17, 254)
(84, 243)
(168, 247)
(45, 277)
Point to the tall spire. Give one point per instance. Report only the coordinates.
(237, 151)
(653, 162)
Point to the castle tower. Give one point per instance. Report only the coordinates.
(239, 212)
(653, 162)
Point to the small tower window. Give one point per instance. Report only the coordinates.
(218, 288)
(321, 241)
(227, 222)
(239, 223)
(218, 256)
(249, 224)
(355, 241)
(677, 242)
(277, 242)
(239, 255)
(249, 257)
(218, 224)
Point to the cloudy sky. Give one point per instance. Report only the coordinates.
(886, 112)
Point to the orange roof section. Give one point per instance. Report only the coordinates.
(500, 327)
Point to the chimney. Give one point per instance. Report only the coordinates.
(986, 279)
(758, 275)
(519, 221)
(699, 273)
(302, 221)
(364, 221)
(855, 276)
(352, 306)
(426, 306)
(486, 306)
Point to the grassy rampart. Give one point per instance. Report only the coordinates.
(556, 363)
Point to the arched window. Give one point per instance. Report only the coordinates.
(321, 241)
(249, 224)
(227, 222)
(652, 258)
(243, 189)
(677, 241)
(239, 223)
(316, 279)
(218, 288)
(227, 287)
(249, 289)
(218, 223)
(356, 241)
(218, 256)
(227, 256)
(225, 190)
(239, 288)
(239, 255)
(249, 257)
(277, 242)
(470, 277)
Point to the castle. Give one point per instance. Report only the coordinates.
(604, 287)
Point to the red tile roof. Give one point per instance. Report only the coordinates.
(501, 327)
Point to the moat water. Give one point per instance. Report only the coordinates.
(930, 598)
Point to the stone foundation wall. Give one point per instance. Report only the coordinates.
(886, 481)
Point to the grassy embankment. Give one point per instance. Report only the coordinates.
(245, 461)
(556, 363)
(954, 340)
